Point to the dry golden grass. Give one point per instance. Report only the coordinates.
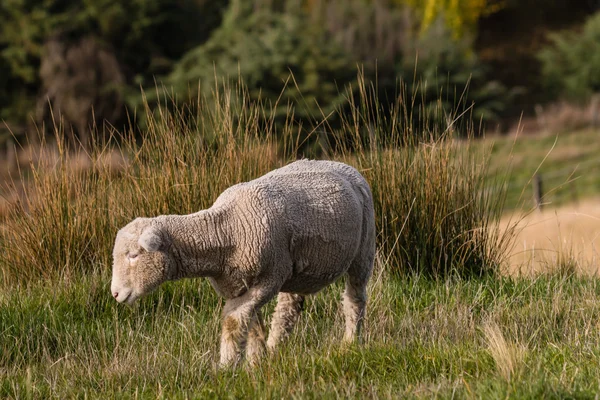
(507, 356)
(429, 220)
(13, 189)
(567, 237)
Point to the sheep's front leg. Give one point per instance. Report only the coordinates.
(256, 339)
(239, 317)
(286, 316)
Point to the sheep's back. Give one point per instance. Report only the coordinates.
(309, 214)
(322, 207)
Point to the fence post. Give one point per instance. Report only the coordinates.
(538, 191)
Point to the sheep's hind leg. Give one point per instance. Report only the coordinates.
(355, 297)
(239, 316)
(286, 316)
(256, 339)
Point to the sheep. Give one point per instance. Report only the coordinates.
(289, 233)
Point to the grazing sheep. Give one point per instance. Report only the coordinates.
(288, 233)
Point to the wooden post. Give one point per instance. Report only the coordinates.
(538, 191)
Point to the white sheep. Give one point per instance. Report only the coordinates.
(289, 233)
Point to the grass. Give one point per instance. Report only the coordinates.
(432, 215)
(494, 337)
(567, 163)
(442, 322)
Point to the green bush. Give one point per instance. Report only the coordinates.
(286, 56)
(448, 70)
(571, 62)
(279, 55)
(292, 54)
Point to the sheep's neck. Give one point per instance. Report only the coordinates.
(199, 245)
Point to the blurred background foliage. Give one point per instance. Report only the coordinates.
(266, 46)
(571, 62)
(461, 16)
(87, 60)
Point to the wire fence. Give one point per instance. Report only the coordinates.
(554, 186)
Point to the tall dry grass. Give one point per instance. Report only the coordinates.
(433, 216)
(437, 211)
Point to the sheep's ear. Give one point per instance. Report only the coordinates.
(151, 239)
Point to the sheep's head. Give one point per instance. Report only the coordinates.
(141, 260)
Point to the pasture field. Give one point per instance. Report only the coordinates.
(443, 320)
(495, 337)
(567, 162)
(562, 237)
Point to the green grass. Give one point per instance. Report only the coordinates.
(430, 330)
(567, 162)
(423, 338)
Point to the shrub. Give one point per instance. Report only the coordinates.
(295, 59)
(278, 54)
(570, 63)
(448, 70)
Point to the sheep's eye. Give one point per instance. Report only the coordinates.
(132, 256)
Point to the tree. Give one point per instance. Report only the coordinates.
(461, 16)
(265, 47)
(571, 62)
(145, 37)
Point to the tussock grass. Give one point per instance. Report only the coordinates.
(67, 219)
(433, 215)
